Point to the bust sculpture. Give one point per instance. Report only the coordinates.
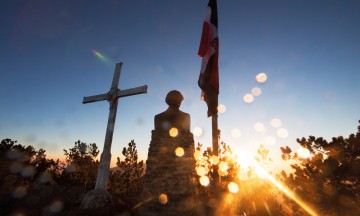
(173, 116)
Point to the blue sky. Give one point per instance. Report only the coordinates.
(309, 50)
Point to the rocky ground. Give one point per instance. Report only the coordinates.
(58, 200)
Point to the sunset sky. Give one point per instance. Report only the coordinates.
(309, 50)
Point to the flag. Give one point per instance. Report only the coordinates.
(209, 51)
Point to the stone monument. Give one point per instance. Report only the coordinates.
(169, 185)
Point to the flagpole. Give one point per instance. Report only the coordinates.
(215, 142)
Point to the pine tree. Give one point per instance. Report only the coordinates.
(130, 174)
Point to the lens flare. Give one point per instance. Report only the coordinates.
(197, 131)
(197, 155)
(223, 166)
(303, 152)
(16, 167)
(221, 108)
(179, 152)
(28, 171)
(99, 55)
(275, 123)
(19, 192)
(102, 58)
(286, 191)
(261, 77)
(163, 199)
(173, 132)
(233, 187)
(200, 171)
(248, 98)
(222, 173)
(204, 181)
(269, 140)
(256, 91)
(56, 206)
(259, 127)
(214, 160)
(282, 133)
(235, 133)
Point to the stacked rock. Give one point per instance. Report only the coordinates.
(169, 185)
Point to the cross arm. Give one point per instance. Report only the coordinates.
(132, 91)
(121, 93)
(94, 98)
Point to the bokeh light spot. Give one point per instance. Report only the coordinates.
(223, 166)
(71, 168)
(261, 77)
(179, 151)
(197, 155)
(165, 125)
(45, 177)
(173, 132)
(227, 153)
(14, 155)
(248, 98)
(269, 140)
(259, 127)
(163, 199)
(256, 91)
(282, 133)
(197, 131)
(19, 192)
(201, 171)
(16, 167)
(221, 108)
(214, 160)
(235, 133)
(204, 180)
(233, 187)
(28, 171)
(303, 152)
(276, 123)
(222, 173)
(56, 206)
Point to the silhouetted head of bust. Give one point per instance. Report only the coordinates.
(174, 98)
(173, 116)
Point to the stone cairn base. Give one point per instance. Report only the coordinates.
(169, 185)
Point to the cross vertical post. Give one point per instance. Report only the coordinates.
(112, 96)
(105, 159)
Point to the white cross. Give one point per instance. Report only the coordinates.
(112, 96)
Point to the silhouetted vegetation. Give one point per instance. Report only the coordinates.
(128, 177)
(326, 176)
(82, 166)
(330, 177)
(31, 184)
(23, 165)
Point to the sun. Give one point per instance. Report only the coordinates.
(244, 158)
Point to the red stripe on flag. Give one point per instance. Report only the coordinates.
(205, 38)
